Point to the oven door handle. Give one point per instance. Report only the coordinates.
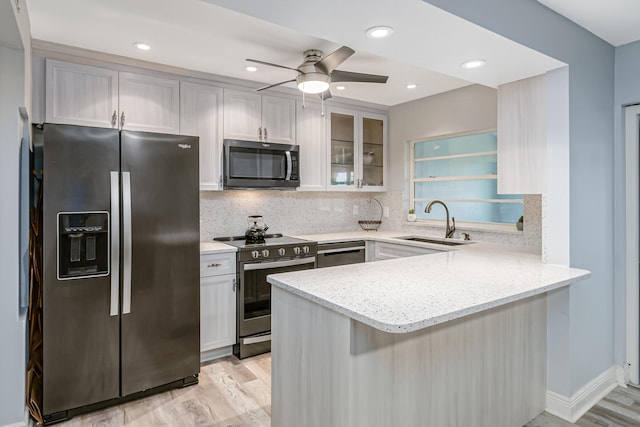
(276, 264)
(341, 250)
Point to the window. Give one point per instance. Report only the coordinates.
(462, 172)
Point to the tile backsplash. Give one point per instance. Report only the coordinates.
(224, 213)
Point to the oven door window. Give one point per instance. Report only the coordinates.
(257, 164)
(256, 292)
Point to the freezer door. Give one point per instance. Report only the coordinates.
(160, 263)
(80, 336)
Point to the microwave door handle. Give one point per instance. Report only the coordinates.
(289, 166)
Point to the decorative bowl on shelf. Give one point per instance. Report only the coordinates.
(367, 157)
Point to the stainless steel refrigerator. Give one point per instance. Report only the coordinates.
(120, 307)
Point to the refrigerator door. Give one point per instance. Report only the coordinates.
(80, 336)
(160, 331)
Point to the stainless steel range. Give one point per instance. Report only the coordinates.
(255, 260)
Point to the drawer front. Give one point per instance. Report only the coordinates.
(216, 264)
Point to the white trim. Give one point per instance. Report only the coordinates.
(632, 125)
(424, 199)
(572, 408)
(456, 178)
(622, 376)
(457, 156)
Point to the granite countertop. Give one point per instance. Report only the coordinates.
(215, 247)
(407, 294)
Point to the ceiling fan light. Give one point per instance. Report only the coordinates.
(313, 82)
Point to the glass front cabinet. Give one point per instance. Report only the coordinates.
(357, 152)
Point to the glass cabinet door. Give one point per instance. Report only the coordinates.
(372, 151)
(343, 149)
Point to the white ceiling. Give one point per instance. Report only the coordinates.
(427, 47)
(616, 21)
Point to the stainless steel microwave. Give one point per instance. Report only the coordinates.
(260, 165)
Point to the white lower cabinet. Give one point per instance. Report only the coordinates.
(383, 250)
(217, 304)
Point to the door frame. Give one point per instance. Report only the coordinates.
(632, 188)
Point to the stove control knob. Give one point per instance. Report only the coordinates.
(305, 249)
(281, 251)
(265, 253)
(296, 250)
(255, 254)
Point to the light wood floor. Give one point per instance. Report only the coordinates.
(238, 393)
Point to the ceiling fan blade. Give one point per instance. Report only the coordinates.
(274, 85)
(271, 64)
(331, 61)
(325, 95)
(348, 76)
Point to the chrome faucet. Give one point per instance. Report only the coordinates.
(450, 228)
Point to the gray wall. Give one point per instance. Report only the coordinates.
(589, 307)
(14, 78)
(627, 92)
(467, 109)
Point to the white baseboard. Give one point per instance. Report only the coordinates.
(28, 421)
(622, 376)
(572, 408)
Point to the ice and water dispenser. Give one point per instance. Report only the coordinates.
(83, 244)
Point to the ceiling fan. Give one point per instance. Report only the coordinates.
(317, 71)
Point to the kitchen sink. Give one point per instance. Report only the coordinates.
(431, 240)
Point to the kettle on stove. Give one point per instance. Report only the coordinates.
(257, 229)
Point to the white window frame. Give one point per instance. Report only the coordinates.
(460, 224)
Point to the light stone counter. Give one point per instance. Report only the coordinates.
(456, 337)
(409, 294)
(215, 247)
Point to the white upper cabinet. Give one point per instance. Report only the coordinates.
(201, 115)
(278, 119)
(522, 136)
(311, 137)
(254, 117)
(242, 115)
(357, 154)
(91, 96)
(81, 95)
(149, 103)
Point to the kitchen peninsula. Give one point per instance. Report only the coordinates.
(450, 338)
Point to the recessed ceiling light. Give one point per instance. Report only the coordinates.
(379, 32)
(341, 87)
(474, 63)
(411, 86)
(142, 45)
(250, 68)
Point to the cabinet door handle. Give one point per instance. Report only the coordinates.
(114, 119)
(265, 134)
(214, 264)
(122, 119)
(234, 285)
(260, 133)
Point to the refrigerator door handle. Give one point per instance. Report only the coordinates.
(115, 243)
(126, 244)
